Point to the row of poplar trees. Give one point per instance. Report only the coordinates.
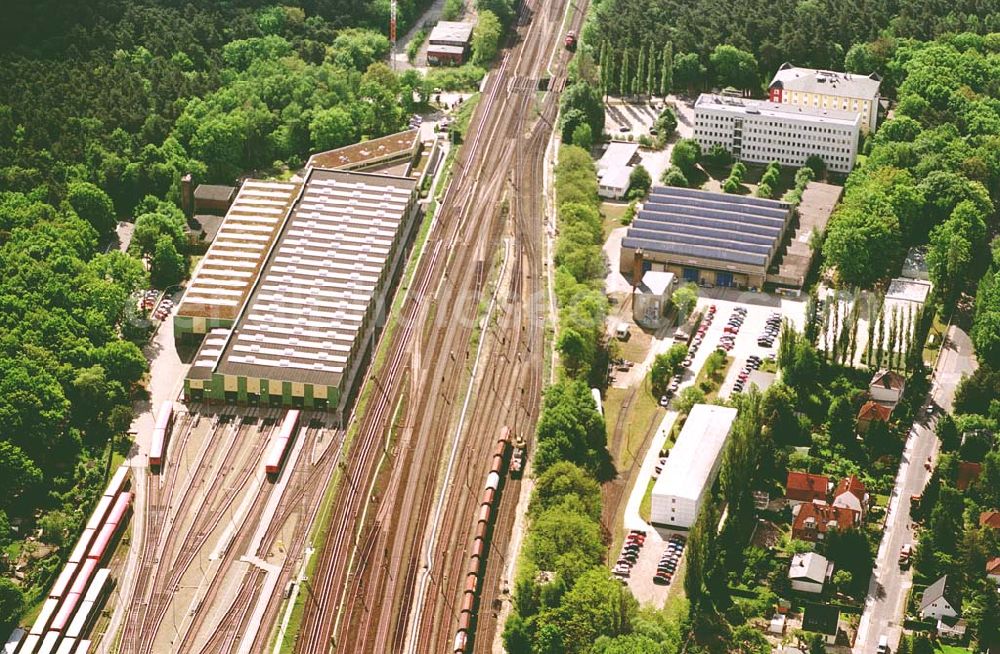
(636, 71)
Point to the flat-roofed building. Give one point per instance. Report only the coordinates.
(690, 470)
(225, 275)
(398, 148)
(707, 238)
(827, 89)
(320, 301)
(449, 43)
(758, 131)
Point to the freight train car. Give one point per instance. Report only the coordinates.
(484, 517)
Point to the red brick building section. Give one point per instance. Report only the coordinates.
(990, 519)
(870, 412)
(814, 520)
(805, 487)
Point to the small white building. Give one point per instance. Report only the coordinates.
(757, 131)
(939, 601)
(809, 572)
(690, 471)
(887, 387)
(614, 169)
(908, 292)
(651, 297)
(612, 183)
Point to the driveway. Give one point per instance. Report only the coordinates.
(883, 613)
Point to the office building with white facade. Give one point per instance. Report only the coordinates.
(758, 131)
(692, 466)
(827, 89)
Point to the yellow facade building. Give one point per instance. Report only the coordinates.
(824, 89)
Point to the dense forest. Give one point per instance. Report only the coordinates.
(816, 33)
(104, 104)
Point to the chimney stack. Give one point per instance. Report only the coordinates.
(637, 259)
(187, 195)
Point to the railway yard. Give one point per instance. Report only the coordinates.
(414, 492)
(218, 535)
(397, 580)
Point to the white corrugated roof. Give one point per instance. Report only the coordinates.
(699, 445)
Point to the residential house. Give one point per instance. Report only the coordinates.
(940, 600)
(887, 387)
(809, 572)
(805, 487)
(951, 627)
(872, 411)
(990, 519)
(993, 570)
(851, 494)
(814, 520)
(822, 619)
(968, 472)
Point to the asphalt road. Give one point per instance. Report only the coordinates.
(883, 613)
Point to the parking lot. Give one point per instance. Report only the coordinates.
(660, 552)
(759, 307)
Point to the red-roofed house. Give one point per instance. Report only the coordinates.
(805, 487)
(968, 472)
(870, 412)
(993, 569)
(851, 494)
(990, 519)
(887, 387)
(815, 519)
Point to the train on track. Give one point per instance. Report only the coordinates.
(484, 521)
(275, 454)
(161, 434)
(74, 600)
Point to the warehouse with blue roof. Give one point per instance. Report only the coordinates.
(708, 238)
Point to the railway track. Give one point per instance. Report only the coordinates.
(363, 588)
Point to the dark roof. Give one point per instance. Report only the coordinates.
(718, 226)
(821, 618)
(889, 379)
(206, 224)
(214, 192)
(967, 473)
(937, 590)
